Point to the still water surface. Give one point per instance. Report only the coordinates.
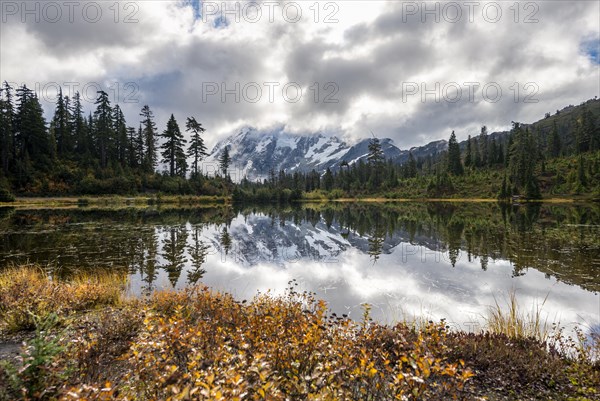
(433, 261)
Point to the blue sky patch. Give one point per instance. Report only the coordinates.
(591, 47)
(196, 6)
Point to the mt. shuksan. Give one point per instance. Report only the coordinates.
(255, 153)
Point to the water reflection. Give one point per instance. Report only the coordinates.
(439, 259)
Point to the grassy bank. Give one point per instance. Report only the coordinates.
(116, 200)
(86, 340)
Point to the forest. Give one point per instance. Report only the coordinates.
(101, 154)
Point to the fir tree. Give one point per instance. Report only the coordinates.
(224, 161)
(484, 149)
(173, 147)
(81, 145)
(7, 148)
(149, 134)
(455, 166)
(197, 149)
(121, 138)
(104, 127)
(469, 153)
(555, 145)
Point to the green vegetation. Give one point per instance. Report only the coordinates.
(560, 160)
(100, 154)
(198, 344)
(97, 155)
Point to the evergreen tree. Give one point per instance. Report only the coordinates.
(328, 180)
(523, 159)
(197, 149)
(504, 190)
(581, 176)
(224, 161)
(555, 145)
(149, 134)
(375, 156)
(493, 154)
(121, 138)
(173, 147)
(500, 158)
(376, 161)
(455, 166)
(476, 154)
(469, 153)
(132, 155)
(61, 125)
(77, 123)
(484, 149)
(411, 171)
(140, 149)
(7, 148)
(33, 141)
(103, 127)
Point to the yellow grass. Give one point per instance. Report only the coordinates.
(511, 320)
(28, 292)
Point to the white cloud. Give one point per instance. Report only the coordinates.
(373, 49)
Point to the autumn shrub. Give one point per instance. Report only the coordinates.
(200, 345)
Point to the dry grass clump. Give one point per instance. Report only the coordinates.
(513, 322)
(28, 292)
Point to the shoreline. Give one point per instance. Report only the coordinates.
(144, 200)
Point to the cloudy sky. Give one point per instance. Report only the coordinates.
(411, 71)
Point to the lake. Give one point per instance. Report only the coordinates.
(408, 260)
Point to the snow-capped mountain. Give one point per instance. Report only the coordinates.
(254, 154)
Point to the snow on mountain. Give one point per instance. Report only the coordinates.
(255, 153)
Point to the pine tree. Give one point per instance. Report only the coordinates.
(493, 155)
(103, 128)
(376, 160)
(61, 124)
(328, 180)
(77, 123)
(149, 134)
(455, 166)
(469, 153)
(411, 171)
(224, 161)
(197, 149)
(484, 149)
(132, 156)
(6, 128)
(121, 139)
(523, 159)
(555, 144)
(31, 134)
(375, 156)
(140, 149)
(173, 145)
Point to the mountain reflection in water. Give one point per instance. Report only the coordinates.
(432, 260)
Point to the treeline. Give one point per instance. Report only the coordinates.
(528, 161)
(98, 153)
